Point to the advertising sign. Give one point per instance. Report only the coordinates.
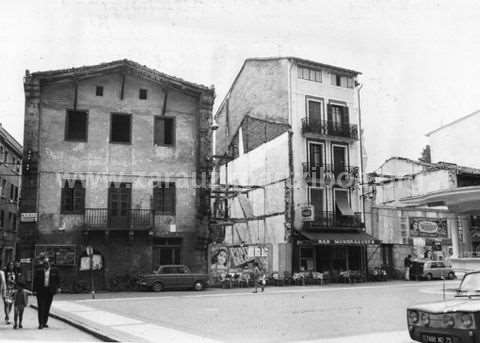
(59, 255)
(226, 259)
(428, 227)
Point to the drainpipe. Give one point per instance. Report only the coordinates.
(359, 87)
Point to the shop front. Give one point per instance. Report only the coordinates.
(334, 255)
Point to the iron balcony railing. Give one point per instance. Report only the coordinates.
(113, 218)
(344, 174)
(332, 220)
(330, 128)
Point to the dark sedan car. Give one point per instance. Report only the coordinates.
(173, 277)
(452, 321)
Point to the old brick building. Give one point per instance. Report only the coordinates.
(10, 159)
(113, 154)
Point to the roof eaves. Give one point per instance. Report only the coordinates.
(452, 123)
(305, 61)
(45, 75)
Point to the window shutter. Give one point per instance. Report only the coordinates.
(329, 112)
(67, 198)
(345, 118)
(78, 197)
(172, 198)
(159, 131)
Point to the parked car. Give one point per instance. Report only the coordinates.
(173, 277)
(429, 270)
(452, 321)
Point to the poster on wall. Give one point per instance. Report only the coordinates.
(428, 227)
(225, 259)
(59, 255)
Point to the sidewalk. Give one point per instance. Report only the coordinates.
(58, 331)
(111, 327)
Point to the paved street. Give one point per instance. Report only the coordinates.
(57, 331)
(373, 312)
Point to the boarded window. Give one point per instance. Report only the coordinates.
(76, 126)
(164, 131)
(164, 198)
(120, 129)
(73, 197)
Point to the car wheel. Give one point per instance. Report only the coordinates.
(198, 285)
(451, 276)
(157, 287)
(429, 276)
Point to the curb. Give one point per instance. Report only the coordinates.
(95, 333)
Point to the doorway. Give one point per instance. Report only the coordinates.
(119, 204)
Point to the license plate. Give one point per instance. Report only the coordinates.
(436, 339)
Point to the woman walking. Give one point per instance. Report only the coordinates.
(10, 281)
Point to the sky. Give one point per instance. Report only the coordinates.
(419, 59)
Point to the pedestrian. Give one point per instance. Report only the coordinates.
(3, 284)
(45, 285)
(20, 302)
(259, 277)
(10, 282)
(407, 264)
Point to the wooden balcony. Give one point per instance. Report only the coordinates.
(330, 128)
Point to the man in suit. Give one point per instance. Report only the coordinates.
(46, 283)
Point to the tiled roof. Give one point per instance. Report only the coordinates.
(146, 71)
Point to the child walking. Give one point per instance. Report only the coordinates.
(20, 302)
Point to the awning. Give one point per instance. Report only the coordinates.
(341, 199)
(340, 238)
(461, 200)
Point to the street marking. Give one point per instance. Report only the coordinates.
(379, 337)
(155, 333)
(269, 291)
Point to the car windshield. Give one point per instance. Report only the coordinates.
(470, 283)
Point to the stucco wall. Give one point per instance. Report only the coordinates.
(301, 90)
(423, 183)
(99, 162)
(261, 89)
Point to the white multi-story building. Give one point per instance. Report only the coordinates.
(290, 131)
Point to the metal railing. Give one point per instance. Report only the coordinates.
(109, 218)
(333, 220)
(330, 128)
(343, 174)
